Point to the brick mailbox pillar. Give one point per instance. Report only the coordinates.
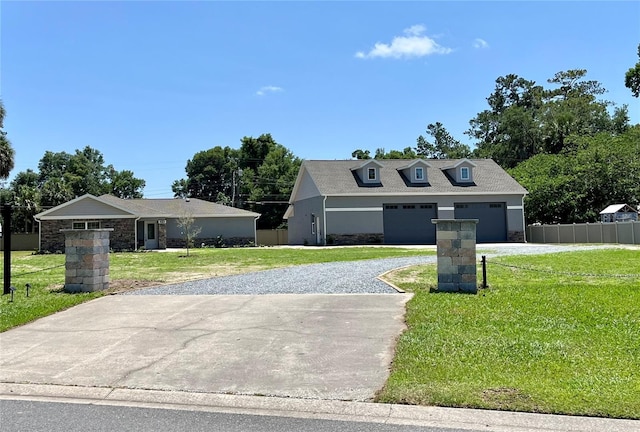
(456, 244)
(86, 260)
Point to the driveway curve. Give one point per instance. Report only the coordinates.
(352, 277)
(291, 341)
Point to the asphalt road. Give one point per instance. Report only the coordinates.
(32, 416)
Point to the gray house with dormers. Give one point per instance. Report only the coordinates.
(393, 201)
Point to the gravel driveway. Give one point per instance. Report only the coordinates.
(353, 277)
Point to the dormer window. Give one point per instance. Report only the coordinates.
(461, 172)
(464, 173)
(415, 173)
(371, 174)
(368, 173)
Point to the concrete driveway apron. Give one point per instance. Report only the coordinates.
(322, 346)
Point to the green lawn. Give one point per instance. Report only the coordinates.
(537, 341)
(45, 273)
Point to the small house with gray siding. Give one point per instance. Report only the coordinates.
(393, 201)
(147, 223)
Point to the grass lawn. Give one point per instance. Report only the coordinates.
(45, 273)
(537, 341)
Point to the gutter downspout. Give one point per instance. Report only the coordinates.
(524, 225)
(324, 221)
(135, 233)
(39, 233)
(255, 230)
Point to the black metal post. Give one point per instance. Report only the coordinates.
(484, 271)
(6, 240)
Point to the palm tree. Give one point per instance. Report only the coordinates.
(6, 151)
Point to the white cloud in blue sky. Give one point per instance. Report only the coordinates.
(480, 43)
(269, 89)
(414, 43)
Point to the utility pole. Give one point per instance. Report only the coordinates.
(233, 185)
(5, 210)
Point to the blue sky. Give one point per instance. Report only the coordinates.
(149, 84)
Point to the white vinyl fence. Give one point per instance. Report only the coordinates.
(615, 232)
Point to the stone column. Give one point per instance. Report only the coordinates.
(456, 244)
(86, 260)
(162, 234)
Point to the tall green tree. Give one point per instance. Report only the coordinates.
(210, 174)
(507, 131)
(259, 176)
(55, 191)
(632, 78)
(253, 151)
(123, 184)
(84, 172)
(576, 184)
(406, 153)
(442, 145)
(7, 153)
(381, 153)
(361, 154)
(27, 205)
(272, 186)
(525, 119)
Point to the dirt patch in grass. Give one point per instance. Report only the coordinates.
(506, 398)
(124, 285)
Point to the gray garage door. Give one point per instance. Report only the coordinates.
(409, 223)
(492, 225)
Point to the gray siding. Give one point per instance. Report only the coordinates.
(299, 224)
(213, 227)
(87, 207)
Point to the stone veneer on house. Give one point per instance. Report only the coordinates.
(456, 246)
(52, 239)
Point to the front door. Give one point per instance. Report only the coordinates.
(150, 235)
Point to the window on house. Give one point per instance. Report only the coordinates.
(464, 173)
(85, 225)
(151, 231)
(419, 173)
(371, 173)
(313, 224)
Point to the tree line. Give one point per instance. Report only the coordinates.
(259, 176)
(574, 152)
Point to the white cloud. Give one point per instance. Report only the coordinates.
(413, 44)
(480, 43)
(268, 89)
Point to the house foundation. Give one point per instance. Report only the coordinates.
(456, 248)
(86, 260)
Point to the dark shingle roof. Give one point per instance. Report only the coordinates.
(172, 207)
(337, 178)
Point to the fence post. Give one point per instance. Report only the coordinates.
(6, 228)
(484, 271)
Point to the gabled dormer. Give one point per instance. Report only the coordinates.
(415, 173)
(368, 173)
(461, 172)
